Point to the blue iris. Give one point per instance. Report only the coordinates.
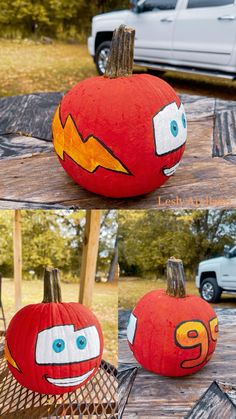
(58, 345)
(81, 342)
(184, 120)
(174, 128)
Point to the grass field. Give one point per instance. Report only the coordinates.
(104, 306)
(29, 66)
(131, 290)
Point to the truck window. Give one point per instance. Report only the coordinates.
(193, 4)
(150, 5)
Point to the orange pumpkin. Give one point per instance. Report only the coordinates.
(53, 347)
(120, 135)
(171, 333)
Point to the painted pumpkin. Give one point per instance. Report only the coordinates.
(172, 334)
(120, 136)
(53, 347)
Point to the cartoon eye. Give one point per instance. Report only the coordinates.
(131, 329)
(58, 345)
(64, 342)
(81, 342)
(174, 128)
(184, 122)
(170, 129)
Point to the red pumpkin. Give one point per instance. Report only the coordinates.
(172, 336)
(53, 348)
(120, 137)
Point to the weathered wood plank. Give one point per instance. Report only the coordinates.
(29, 205)
(224, 141)
(228, 389)
(214, 403)
(14, 145)
(126, 378)
(29, 114)
(198, 107)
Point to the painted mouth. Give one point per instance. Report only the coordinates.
(172, 170)
(70, 381)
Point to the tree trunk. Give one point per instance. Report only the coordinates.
(113, 264)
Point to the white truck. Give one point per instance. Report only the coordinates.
(193, 36)
(217, 275)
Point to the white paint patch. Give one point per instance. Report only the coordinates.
(46, 354)
(165, 141)
(131, 329)
(69, 382)
(171, 170)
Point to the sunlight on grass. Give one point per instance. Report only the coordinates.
(131, 290)
(104, 307)
(27, 66)
(30, 67)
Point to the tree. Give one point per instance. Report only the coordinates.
(54, 238)
(52, 17)
(148, 238)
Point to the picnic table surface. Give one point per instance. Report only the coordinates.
(147, 395)
(31, 176)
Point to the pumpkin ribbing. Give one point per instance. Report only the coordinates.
(171, 333)
(120, 135)
(53, 347)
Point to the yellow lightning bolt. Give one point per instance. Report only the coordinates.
(9, 358)
(89, 153)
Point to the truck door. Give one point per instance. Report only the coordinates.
(228, 276)
(154, 25)
(205, 32)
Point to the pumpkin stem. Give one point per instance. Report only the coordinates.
(175, 278)
(120, 61)
(52, 287)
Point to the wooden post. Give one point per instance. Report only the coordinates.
(89, 257)
(17, 242)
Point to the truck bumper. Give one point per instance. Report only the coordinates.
(197, 281)
(91, 46)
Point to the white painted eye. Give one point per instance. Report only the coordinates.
(170, 129)
(131, 329)
(65, 345)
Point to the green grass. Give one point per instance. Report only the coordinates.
(104, 307)
(131, 290)
(28, 66)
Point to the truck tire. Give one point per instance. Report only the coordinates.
(101, 56)
(210, 291)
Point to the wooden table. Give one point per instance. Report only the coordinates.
(146, 395)
(31, 177)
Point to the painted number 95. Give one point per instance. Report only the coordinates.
(194, 334)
